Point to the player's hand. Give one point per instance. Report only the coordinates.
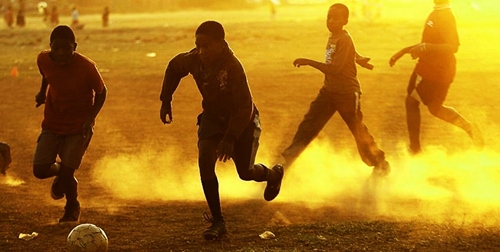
(300, 62)
(364, 62)
(88, 131)
(166, 110)
(396, 57)
(40, 99)
(418, 50)
(224, 151)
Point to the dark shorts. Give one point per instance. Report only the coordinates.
(245, 147)
(427, 92)
(69, 148)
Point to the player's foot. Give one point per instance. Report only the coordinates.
(3, 169)
(56, 190)
(216, 230)
(71, 215)
(382, 169)
(273, 187)
(477, 136)
(413, 150)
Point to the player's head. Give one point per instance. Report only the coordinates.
(210, 41)
(338, 16)
(62, 44)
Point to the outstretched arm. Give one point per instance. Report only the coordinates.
(417, 50)
(363, 61)
(333, 66)
(400, 54)
(324, 68)
(177, 69)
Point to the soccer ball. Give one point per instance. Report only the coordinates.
(87, 238)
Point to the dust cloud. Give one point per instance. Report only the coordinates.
(436, 185)
(11, 180)
(163, 175)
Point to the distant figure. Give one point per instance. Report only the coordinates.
(45, 13)
(5, 158)
(273, 4)
(105, 17)
(9, 16)
(21, 18)
(75, 19)
(433, 75)
(54, 16)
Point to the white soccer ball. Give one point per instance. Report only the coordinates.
(87, 237)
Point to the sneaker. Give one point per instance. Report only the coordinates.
(273, 187)
(56, 190)
(216, 230)
(3, 168)
(71, 215)
(382, 169)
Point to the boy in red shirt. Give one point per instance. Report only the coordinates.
(433, 75)
(73, 92)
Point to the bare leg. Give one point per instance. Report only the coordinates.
(413, 123)
(452, 116)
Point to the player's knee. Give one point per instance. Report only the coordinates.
(435, 110)
(246, 176)
(41, 171)
(411, 102)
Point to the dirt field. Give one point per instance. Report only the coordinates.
(139, 179)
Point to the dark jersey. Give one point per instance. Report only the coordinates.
(227, 102)
(440, 28)
(341, 55)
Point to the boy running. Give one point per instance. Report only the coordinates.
(341, 92)
(229, 125)
(73, 92)
(433, 75)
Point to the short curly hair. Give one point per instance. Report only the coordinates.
(211, 28)
(342, 7)
(63, 32)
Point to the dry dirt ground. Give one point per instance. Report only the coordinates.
(138, 180)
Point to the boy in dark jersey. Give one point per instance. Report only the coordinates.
(433, 75)
(341, 92)
(73, 92)
(229, 125)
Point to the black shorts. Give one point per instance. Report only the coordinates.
(426, 91)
